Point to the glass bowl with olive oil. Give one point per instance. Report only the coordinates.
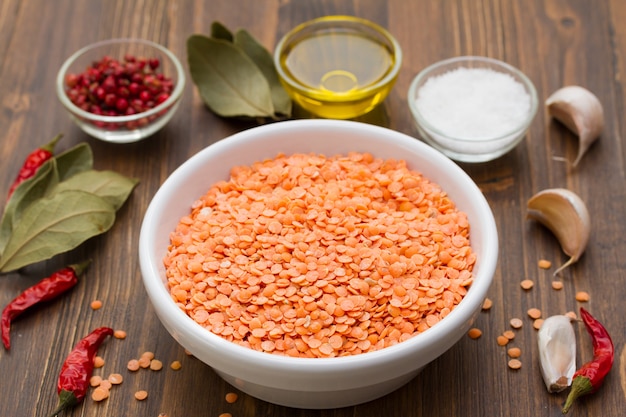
(338, 67)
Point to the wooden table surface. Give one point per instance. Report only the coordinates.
(555, 42)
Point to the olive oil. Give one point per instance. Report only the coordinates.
(338, 72)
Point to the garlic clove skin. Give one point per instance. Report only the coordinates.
(565, 214)
(557, 352)
(581, 112)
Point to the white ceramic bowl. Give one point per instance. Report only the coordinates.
(313, 382)
(131, 128)
(486, 108)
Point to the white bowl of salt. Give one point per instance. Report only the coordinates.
(472, 108)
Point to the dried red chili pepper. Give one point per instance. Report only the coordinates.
(32, 163)
(45, 290)
(77, 369)
(590, 376)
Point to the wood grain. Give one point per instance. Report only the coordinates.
(555, 42)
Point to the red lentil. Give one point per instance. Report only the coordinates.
(147, 355)
(98, 362)
(156, 365)
(527, 284)
(515, 364)
(141, 395)
(95, 380)
(106, 384)
(231, 397)
(582, 296)
(537, 324)
(487, 304)
(474, 333)
(557, 285)
(294, 250)
(534, 313)
(509, 334)
(100, 394)
(119, 334)
(176, 365)
(133, 365)
(572, 315)
(116, 379)
(502, 340)
(144, 362)
(516, 323)
(544, 264)
(96, 305)
(514, 352)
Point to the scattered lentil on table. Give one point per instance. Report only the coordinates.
(557, 285)
(141, 395)
(514, 352)
(307, 255)
(133, 365)
(509, 334)
(156, 365)
(534, 313)
(544, 264)
(98, 362)
(527, 284)
(582, 296)
(515, 364)
(502, 340)
(119, 334)
(474, 333)
(100, 394)
(115, 379)
(231, 397)
(95, 380)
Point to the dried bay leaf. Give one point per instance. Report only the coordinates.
(263, 59)
(65, 203)
(219, 31)
(111, 186)
(228, 81)
(74, 160)
(62, 166)
(55, 225)
(25, 194)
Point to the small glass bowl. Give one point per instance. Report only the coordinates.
(465, 147)
(123, 129)
(338, 67)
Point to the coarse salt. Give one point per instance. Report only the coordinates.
(474, 103)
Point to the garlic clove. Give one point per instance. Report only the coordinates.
(565, 214)
(581, 112)
(557, 352)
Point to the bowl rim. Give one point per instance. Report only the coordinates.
(156, 287)
(389, 77)
(502, 66)
(173, 98)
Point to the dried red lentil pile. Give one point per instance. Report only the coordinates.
(310, 256)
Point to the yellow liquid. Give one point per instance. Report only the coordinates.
(337, 71)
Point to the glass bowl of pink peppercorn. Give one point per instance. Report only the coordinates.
(121, 90)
